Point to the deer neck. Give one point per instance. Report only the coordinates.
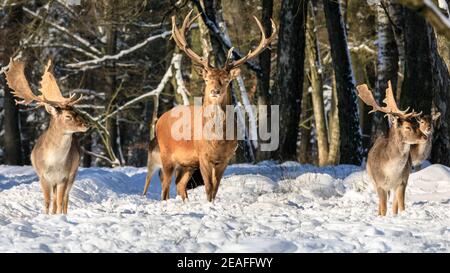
(57, 142)
(397, 145)
(217, 110)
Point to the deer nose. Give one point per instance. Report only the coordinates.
(215, 92)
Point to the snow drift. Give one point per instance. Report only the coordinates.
(259, 208)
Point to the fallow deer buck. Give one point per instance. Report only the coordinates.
(389, 160)
(56, 154)
(421, 152)
(211, 156)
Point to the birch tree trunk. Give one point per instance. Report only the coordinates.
(387, 66)
(315, 78)
(350, 133)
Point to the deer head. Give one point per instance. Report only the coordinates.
(217, 79)
(403, 124)
(429, 122)
(60, 108)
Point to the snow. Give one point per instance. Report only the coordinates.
(259, 208)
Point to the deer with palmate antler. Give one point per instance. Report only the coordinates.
(389, 160)
(56, 154)
(210, 155)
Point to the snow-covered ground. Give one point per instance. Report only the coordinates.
(259, 208)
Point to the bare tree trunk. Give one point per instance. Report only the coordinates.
(264, 97)
(291, 53)
(10, 39)
(87, 146)
(304, 151)
(441, 101)
(315, 77)
(334, 128)
(417, 83)
(387, 65)
(213, 8)
(427, 81)
(110, 78)
(265, 57)
(350, 141)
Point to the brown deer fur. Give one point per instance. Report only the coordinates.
(389, 160)
(56, 154)
(210, 156)
(421, 152)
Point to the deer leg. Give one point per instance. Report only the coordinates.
(382, 206)
(400, 194)
(182, 180)
(54, 199)
(150, 169)
(46, 190)
(66, 196)
(217, 176)
(60, 189)
(167, 171)
(205, 170)
(395, 203)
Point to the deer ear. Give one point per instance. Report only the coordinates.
(435, 116)
(234, 73)
(50, 109)
(393, 120)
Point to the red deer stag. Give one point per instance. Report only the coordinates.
(56, 154)
(211, 156)
(389, 160)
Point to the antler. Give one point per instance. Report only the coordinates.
(50, 93)
(180, 39)
(391, 106)
(389, 100)
(15, 77)
(265, 42)
(367, 97)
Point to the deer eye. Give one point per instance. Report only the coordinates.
(408, 128)
(68, 117)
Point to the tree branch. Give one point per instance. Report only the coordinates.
(431, 13)
(85, 65)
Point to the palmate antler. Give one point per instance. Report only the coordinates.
(50, 92)
(391, 107)
(180, 39)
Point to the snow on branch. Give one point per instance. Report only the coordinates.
(181, 88)
(68, 46)
(64, 30)
(85, 65)
(431, 13)
(154, 92)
